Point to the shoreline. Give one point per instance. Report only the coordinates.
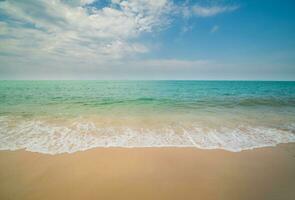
(150, 173)
(156, 147)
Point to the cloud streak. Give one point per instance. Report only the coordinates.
(76, 39)
(209, 11)
(214, 29)
(78, 28)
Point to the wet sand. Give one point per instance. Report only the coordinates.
(150, 173)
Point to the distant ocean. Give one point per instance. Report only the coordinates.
(69, 116)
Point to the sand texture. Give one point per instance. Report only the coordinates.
(150, 173)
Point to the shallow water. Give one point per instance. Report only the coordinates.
(69, 116)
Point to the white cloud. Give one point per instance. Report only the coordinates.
(74, 68)
(76, 28)
(214, 29)
(208, 11)
(70, 38)
(174, 63)
(78, 2)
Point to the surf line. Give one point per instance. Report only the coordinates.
(189, 137)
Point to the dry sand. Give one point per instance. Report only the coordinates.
(150, 173)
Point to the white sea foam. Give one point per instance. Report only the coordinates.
(41, 136)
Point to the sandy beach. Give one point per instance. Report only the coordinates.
(147, 100)
(150, 173)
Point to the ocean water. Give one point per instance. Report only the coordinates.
(68, 116)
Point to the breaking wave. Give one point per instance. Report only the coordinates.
(52, 138)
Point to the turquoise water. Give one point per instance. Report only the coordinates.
(68, 116)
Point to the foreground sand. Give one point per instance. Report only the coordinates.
(150, 173)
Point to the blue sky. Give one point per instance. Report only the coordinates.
(147, 39)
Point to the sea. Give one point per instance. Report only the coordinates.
(55, 117)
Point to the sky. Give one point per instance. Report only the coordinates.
(147, 39)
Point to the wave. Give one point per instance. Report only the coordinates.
(49, 138)
(201, 102)
(275, 102)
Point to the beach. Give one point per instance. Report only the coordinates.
(54, 117)
(150, 173)
(147, 140)
(147, 100)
